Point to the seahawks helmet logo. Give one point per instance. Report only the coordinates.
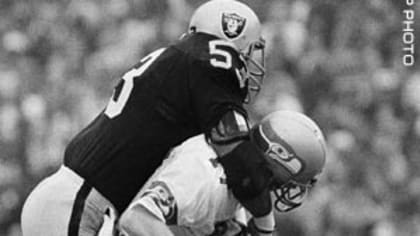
(286, 157)
(233, 24)
(281, 152)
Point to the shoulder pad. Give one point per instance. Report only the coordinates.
(232, 127)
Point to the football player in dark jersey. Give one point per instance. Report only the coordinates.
(197, 85)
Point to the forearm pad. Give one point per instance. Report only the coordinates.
(232, 127)
(248, 178)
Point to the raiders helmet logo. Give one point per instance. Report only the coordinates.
(232, 24)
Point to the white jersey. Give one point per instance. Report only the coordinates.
(189, 189)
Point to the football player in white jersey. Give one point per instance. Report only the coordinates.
(197, 192)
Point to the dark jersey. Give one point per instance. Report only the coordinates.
(172, 94)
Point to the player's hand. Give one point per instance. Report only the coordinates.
(253, 230)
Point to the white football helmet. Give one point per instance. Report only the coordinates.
(237, 23)
(295, 153)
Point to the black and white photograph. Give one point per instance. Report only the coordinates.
(209, 118)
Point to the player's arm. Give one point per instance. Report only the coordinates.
(150, 213)
(248, 178)
(262, 226)
(249, 184)
(138, 221)
(244, 224)
(217, 97)
(259, 223)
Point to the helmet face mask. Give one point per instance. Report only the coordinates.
(254, 62)
(290, 195)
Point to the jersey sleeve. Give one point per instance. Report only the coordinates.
(159, 200)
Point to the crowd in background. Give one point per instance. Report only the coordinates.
(340, 62)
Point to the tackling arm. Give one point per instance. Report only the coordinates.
(238, 226)
(217, 101)
(249, 182)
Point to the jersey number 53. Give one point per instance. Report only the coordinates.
(220, 58)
